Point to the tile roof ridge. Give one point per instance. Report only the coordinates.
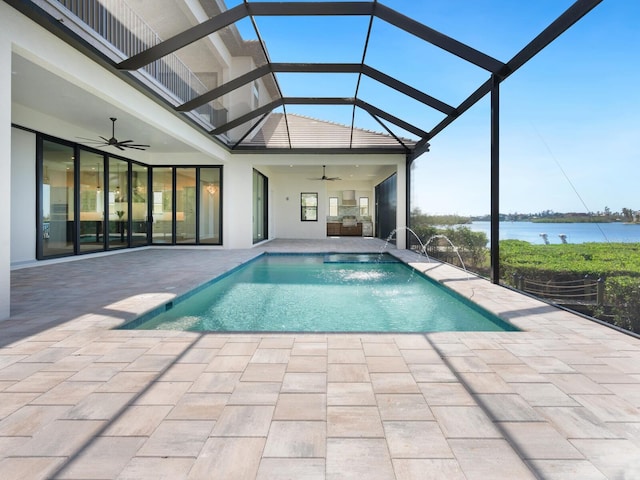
(364, 130)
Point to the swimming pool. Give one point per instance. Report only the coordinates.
(322, 293)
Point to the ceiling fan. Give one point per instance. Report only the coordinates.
(113, 141)
(324, 176)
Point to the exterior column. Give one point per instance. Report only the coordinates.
(402, 194)
(5, 176)
(495, 180)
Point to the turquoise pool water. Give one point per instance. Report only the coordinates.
(322, 293)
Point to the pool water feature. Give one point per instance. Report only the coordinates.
(322, 293)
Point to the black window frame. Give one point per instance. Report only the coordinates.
(308, 208)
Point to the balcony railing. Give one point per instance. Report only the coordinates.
(119, 25)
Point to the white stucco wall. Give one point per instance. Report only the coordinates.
(23, 196)
(287, 210)
(5, 174)
(21, 36)
(237, 208)
(285, 190)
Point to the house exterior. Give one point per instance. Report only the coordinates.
(130, 123)
(70, 193)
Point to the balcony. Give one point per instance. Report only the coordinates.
(115, 22)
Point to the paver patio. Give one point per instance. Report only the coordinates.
(79, 400)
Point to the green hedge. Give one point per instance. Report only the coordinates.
(622, 294)
(617, 263)
(570, 260)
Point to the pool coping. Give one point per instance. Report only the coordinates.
(420, 268)
(557, 400)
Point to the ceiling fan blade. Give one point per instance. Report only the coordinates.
(136, 147)
(113, 141)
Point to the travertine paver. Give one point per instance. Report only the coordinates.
(80, 400)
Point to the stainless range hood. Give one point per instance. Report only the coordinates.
(349, 198)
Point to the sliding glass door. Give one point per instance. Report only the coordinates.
(260, 189)
(162, 184)
(118, 207)
(139, 204)
(57, 200)
(187, 205)
(91, 201)
(186, 214)
(209, 189)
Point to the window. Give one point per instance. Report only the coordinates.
(309, 207)
(187, 206)
(57, 200)
(210, 211)
(89, 201)
(363, 205)
(118, 203)
(91, 182)
(333, 206)
(260, 206)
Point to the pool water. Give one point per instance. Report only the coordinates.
(323, 293)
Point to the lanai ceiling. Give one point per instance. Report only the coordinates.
(380, 74)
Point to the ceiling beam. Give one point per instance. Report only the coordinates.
(224, 89)
(570, 16)
(310, 8)
(318, 101)
(407, 90)
(182, 39)
(317, 68)
(560, 25)
(246, 9)
(390, 118)
(278, 103)
(438, 39)
(237, 13)
(247, 117)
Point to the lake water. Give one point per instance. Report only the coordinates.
(575, 232)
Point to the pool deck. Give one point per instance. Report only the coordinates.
(79, 400)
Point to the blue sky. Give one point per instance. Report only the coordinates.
(570, 118)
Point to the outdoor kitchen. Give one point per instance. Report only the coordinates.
(349, 214)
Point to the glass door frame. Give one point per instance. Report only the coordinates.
(174, 203)
(40, 139)
(262, 215)
(104, 178)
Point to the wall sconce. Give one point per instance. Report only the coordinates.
(211, 189)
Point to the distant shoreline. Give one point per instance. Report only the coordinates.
(558, 220)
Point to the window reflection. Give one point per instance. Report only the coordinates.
(162, 205)
(185, 205)
(91, 201)
(57, 232)
(118, 203)
(209, 205)
(309, 207)
(139, 204)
